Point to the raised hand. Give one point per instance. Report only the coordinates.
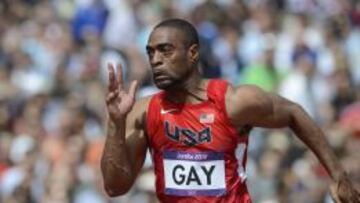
(119, 101)
(343, 191)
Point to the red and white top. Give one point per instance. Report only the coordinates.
(193, 149)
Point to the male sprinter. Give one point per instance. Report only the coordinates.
(194, 125)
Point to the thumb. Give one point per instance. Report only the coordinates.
(334, 192)
(133, 88)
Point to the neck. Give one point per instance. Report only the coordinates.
(192, 90)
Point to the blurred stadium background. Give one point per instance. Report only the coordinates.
(53, 76)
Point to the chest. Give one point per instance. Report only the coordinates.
(203, 127)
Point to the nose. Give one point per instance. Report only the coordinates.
(156, 59)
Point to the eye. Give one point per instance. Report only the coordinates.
(166, 49)
(150, 52)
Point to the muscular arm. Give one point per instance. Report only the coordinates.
(124, 152)
(249, 105)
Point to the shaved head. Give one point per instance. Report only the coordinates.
(188, 30)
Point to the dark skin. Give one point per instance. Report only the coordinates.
(174, 67)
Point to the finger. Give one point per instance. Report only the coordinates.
(336, 198)
(357, 196)
(133, 88)
(119, 75)
(111, 97)
(112, 79)
(334, 193)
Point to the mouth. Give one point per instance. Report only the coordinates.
(158, 75)
(161, 79)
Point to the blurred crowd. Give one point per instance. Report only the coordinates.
(53, 77)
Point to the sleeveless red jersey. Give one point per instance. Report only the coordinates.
(193, 150)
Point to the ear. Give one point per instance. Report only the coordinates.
(194, 53)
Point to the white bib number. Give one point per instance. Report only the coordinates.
(188, 174)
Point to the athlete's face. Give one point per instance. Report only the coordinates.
(170, 59)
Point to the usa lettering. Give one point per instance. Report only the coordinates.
(191, 176)
(187, 136)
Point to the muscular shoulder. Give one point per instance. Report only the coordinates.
(244, 100)
(245, 94)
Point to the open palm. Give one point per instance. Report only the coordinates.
(119, 101)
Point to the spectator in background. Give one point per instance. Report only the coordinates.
(301, 84)
(263, 72)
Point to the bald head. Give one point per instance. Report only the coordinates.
(190, 35)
